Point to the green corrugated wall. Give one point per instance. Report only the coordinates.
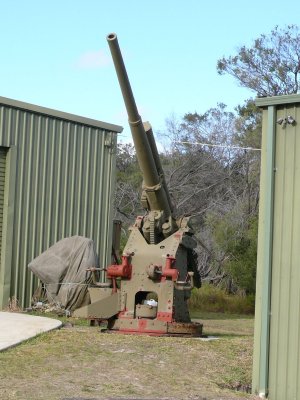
(276, 371)
(3, 152)
(59, 183)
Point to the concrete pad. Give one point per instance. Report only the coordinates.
(16, 327)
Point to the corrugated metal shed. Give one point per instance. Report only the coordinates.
(276, 370)
(56, 180)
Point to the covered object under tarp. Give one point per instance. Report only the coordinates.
(63, 271)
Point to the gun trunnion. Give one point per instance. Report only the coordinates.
(148, 291)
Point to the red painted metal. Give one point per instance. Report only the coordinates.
(170, 270)
(120, 270)
(142, 324)
(134, 332)
(143, 328)
(171, 329)
(165, 316)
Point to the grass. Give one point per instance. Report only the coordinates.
(222, 327)
(64, 319)
(81, 362)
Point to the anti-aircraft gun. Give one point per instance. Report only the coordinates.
(148, 291)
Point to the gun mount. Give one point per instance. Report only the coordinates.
(148, 291)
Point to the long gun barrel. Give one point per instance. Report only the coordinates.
(154, 183)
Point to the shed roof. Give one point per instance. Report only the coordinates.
(59, 114)
(277, 100)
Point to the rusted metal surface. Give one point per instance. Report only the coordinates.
(183, 328)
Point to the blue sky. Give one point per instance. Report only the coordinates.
(54, 53)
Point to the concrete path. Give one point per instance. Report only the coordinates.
(16, 327)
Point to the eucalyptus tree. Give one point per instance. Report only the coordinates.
(270, 66)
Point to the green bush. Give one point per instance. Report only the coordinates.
(210, 298)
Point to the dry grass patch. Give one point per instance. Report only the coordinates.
(84, 363)
(225, 324)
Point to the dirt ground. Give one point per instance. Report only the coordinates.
(79, 363)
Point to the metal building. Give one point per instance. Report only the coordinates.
(276, 370)
(56, 180)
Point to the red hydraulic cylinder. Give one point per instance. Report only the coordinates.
(170, 271)
(120, 270)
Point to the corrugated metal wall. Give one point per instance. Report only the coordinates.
(284, 371)
(63, 186)
(3, 152)
(276, 369)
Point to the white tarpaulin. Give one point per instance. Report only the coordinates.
(62, 269)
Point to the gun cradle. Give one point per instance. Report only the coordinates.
(158, 272)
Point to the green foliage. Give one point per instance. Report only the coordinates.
(248, 125)
(219, 187)
(270, 66)
(210, 298)
(129, 182)
(127, 166)
(237, 239)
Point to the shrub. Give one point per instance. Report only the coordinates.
(210, 298)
